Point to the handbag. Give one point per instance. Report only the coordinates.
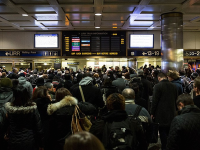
(79, 121)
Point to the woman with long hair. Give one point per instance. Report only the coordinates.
(24, 124)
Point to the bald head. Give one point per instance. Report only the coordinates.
(128, 93)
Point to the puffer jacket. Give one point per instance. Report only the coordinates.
(6, 95)
(25, 130)
(60, 120)
(25, 84)
(185, 130)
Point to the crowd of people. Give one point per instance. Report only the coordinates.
(36, 108)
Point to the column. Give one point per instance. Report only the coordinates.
(132, 63)
(171, 41)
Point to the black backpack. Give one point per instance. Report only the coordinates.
(122, 134)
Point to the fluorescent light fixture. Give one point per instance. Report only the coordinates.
(43, 27)
(151, 27)
(45, 63)
(97, 14)
(114, 27)
(24, 14)
(97, 27)
(87, 59)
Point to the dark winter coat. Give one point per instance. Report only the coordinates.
(6, 95)
(91, 93)
(185, 130)
(196, 100)
(25, 84)
(60, 120)
(179, 86)
(99, 128)
(25, 130)
(164, 103)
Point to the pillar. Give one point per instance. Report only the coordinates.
(132, 63)
(171, 41)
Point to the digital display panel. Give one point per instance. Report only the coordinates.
(46, 41)
(141, 41)
(94, 43)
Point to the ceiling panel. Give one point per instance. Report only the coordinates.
(75, 1)
(112, 23)
(76, 16)
(117, 8)
(47, 17)
(167, 1)
(29, 1)
(82, 23)
(117, 1)
(117, 16)
(148, 17)
(4, 24)
(78, 9)
(159, 8)
(53, 23)
(80, 14)
(4, 9)
(38, 9)
(10, 18)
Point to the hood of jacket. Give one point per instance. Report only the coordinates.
(115, 115)
(189, 109)
(66, 101)
(177, 81)
(86, 81)
(22, 80)
(20, 109)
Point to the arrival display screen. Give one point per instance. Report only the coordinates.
(94, 43)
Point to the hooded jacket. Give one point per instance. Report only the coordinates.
(179, 86)
(25, 130)
(185, 130)
(91, 93)
(60, 119)
(25, 84)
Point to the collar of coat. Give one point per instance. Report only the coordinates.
(66, 101)
(188, 109)
(20, 109)
(130, 101)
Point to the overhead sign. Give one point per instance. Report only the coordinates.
(191, 53)
(29, 53)
(144, 53)
(73, 63)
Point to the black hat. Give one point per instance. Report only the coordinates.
(40, 82)
(194, 75)
(22, 74)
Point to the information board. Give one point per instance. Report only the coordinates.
(144, 53)
(192, 53)
(94, 43)
(29, 53)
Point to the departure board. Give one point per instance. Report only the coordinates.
(94, 43)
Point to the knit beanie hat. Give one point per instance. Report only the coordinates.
(6, 82)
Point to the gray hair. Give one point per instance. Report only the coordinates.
(48, 85)
(128, 93)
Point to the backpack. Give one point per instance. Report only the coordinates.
(122, 135)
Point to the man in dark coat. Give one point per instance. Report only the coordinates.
(164, 106)
(185, 128)
(91, 93)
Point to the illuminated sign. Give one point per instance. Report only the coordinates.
(144, 53)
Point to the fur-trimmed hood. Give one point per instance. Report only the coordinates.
(66, 101)
(20, 109)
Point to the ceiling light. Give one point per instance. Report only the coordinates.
(98, 14)
(24, 14)
(151, 27)
(114, 27)
(97, 27)
(87, 59)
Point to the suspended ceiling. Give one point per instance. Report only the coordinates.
(39, 15)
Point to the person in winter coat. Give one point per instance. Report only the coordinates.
(24, 125)
(25, 84)
(185, 128)
(61, 115)
(173, 77)
(91, 93)
(163, 108)
(102, 128)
